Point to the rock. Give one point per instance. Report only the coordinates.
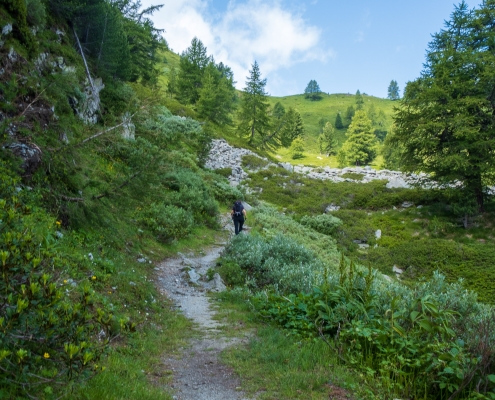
(59, 234)
(141, 260)
(420, 206)
(407, 204)
(378, 233)
(132, 283)
(88, 108)
(218, 284)
(363, 245)
(6, 29)
(30, 155)
(194, 277)
(332, 207)
(397, 270)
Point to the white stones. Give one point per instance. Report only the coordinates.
(332, 207)
(6, 29)
(407, 204)
(378, 233)
(397, 270)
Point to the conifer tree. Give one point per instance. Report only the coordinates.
(321, 123)
(338, 122)
(393, 91)
(359, 100)
(253, 115)
(312, 91)
(278, 111)
(172, 82)
(349, 115)
(360, 146)
(330, 142)
(216, 95)
(293, 127)
(193, 62)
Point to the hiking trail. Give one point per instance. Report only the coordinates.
(198, 373)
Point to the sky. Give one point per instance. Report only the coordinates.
(345, 45)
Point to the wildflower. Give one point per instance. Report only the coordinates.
(46, 355)
(93, 277)
(65, 280)
(58, 223)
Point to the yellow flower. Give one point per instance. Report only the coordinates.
(93, 277)
(58, 223)
(46, 355)
(65, 280)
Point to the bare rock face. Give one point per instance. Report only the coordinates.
(30, 155)
(88, 107)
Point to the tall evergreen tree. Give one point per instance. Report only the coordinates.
(360, 146)
(330, 141)
(312, 91)
(216, 95)
(172, 82)
(292, 127)
(446, 120)
(321, 123)
(359, 100)
(338, 122)
(349, 114)
(393, 90)
(193, 62)
(253, 115)
(278, 111)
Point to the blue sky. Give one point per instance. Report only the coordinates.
(343, 45)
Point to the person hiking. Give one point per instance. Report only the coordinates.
(238, 214)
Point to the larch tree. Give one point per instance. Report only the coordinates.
(393, 91)
(445, 124)
(329, 139)
(360, 147)
(193, 62)
(338, 122)
(293, 127)
(359, 100)
(253, 116)
(312, 90)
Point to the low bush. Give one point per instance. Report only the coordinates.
(51, 331)
(253, 162)
(225, 172)
(232, 273)
(324, 223)
(278, 262)
(168, 222)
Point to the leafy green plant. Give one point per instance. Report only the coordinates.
(253, 162)
(51, 331)
(324, 223)
(168, 222)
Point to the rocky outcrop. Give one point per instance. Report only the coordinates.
(87, 108)
(30, 155)
(223, 155)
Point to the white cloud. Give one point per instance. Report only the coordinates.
(247, 31)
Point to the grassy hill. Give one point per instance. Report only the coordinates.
(328, 108)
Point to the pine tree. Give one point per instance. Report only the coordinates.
(349, 115)
(338, 122)
(321, 123)
(312, 91)
(393, 90)
(253, 115)
(292, 127)
(193, 63)
(359, 100)
(360, 146)
(330, 142)
(297, 148)
(278, 111)
(216, 96)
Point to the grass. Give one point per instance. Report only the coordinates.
(275, 366)
(417, 240)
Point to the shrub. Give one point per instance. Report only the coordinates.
(49, 329)
(253, 162)
(324, 223)
(168, 222)
(225, 172)
(279, 263)
(232, 273)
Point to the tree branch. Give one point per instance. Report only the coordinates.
(84, 59)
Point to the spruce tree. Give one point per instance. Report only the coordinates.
(278, 111)
(253, 115)
(349, 114)
(193, 63)
(172, 82)
(312, 91)
(359, 100)
(360, 146)
(393, 90)
(330, 142)
(338, 122)
(292, 127)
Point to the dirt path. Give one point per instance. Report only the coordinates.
(198, 372)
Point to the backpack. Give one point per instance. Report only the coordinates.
(238, 208)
